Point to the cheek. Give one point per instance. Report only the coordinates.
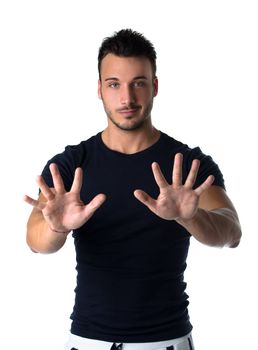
(109, 99)
(147, 96)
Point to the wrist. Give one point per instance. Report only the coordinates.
(190, 220)
(60, 232)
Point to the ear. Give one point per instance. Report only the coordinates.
(99, 90)
(155, 86)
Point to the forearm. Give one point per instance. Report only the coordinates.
(40, 238)
(218, 227)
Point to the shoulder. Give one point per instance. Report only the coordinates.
(77, 154)
(72, 157)
(84, 145)
(180, 147)
(208, 166)
(189, 153)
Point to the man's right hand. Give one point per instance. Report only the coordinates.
(64, 211)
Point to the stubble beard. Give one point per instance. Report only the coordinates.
(128, 125)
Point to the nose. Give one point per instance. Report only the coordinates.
(127, 96)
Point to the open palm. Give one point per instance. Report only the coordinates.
(64, 211)
(175, 201)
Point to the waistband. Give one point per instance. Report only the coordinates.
(80, 342)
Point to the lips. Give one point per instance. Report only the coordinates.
(128, 111)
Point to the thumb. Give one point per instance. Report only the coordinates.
(144, 198)
(95, 203)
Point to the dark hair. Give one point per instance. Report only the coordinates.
(127, 43)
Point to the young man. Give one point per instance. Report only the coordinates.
(132, 196)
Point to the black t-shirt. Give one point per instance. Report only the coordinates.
(130, 263)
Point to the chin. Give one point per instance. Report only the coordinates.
(131, 126)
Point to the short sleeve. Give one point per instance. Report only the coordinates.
(207, 167)
(67, 162)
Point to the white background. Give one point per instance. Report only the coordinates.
(207, 68)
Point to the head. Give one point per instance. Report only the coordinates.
(127, 78)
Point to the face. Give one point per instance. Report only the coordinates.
(127, 89)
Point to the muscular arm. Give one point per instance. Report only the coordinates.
(216, 221)
(206, 212)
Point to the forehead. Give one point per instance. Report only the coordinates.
(125, 68)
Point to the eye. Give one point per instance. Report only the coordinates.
(139, 84)
(113, 85)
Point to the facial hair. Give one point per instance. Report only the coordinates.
(137, 124)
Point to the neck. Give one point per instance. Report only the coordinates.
(129, 142)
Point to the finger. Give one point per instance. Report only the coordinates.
(94, 204)
(191, 178)
(159, 177)
(77, 181)
(30, 200)
(144, 198)
(35, 203)
(205, 185)
(177, 170)
(57, 179)
(46, 191)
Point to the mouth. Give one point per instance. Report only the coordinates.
(128, 112)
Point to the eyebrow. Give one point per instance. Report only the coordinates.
(135, 78)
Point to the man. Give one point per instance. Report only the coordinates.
(132, 196)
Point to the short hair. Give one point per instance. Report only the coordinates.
(127, 43)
